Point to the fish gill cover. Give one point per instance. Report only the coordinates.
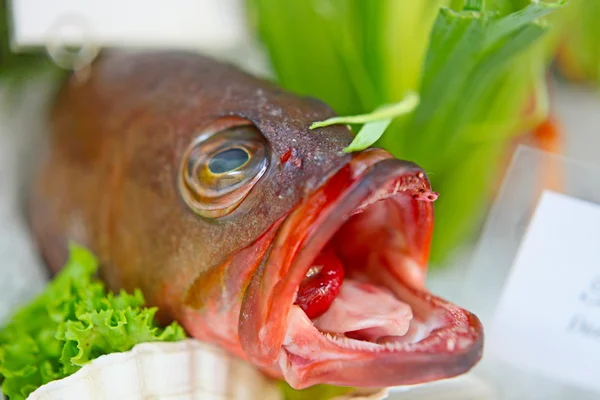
(72, 322)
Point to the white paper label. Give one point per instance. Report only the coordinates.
(548, 317)
(194, 24)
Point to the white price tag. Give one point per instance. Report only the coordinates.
(548, 317)
(191, 24)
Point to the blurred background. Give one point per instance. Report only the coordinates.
(491, 75)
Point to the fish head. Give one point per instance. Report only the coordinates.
(205, 187)
(332, 287)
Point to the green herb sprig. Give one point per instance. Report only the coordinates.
(375, 123)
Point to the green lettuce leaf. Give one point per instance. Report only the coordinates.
(72, 322)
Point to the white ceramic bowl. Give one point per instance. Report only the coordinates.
(185, 370)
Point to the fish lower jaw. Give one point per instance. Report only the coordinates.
(308, 358)
(448, 339)
(305, 337)
(441, 341)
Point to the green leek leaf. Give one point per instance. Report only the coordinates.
(578, 53)
(519, 19)
(474, 5)
(476, 65)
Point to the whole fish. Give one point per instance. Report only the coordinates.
(204, 187)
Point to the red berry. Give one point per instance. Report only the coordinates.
(318, 289)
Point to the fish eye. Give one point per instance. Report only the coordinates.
(228, 160)
(220, 167)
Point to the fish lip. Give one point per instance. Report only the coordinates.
(271, 293)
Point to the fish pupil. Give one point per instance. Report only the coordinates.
(228, 160)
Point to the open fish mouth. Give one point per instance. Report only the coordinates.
(340, 298)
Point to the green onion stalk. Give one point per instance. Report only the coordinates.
(476, 68)
(578, 52)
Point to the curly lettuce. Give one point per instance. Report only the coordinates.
(72, 322)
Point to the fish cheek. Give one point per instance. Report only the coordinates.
(207, 287)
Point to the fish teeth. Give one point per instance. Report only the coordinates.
(450, 344)
(353, 344)
(398, 346)
(441, 338)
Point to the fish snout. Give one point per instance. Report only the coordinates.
(340, 297)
